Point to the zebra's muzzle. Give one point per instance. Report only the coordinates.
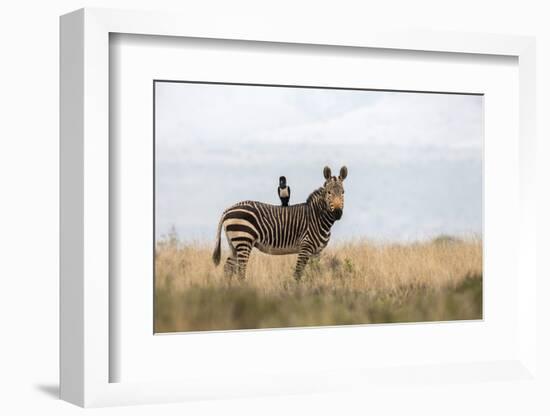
(337, 213)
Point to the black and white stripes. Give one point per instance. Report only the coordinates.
(302, 229)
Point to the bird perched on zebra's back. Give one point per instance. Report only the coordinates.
(302, 229)
(284, 191)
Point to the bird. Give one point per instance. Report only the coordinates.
(284, 191)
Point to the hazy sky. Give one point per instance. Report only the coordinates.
(414, 160)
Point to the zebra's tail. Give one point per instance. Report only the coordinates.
(218, 249)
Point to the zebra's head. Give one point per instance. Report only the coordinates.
(334, 191)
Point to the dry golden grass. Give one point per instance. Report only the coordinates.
(352, 283)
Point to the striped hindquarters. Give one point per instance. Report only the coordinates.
(271, 228)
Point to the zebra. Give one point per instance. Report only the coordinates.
(302, 229)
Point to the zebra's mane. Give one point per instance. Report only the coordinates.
(315, 195)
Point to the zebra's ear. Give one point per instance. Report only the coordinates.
(327, 173)
(343, 173)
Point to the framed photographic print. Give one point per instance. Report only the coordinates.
(260, 212)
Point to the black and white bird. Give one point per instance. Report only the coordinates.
(284, 191)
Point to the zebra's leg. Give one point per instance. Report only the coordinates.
(230, 267)
(304, 255)
(243, 253)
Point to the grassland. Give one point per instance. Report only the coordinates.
(353, 283)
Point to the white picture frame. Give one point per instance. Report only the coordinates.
(85, 165)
